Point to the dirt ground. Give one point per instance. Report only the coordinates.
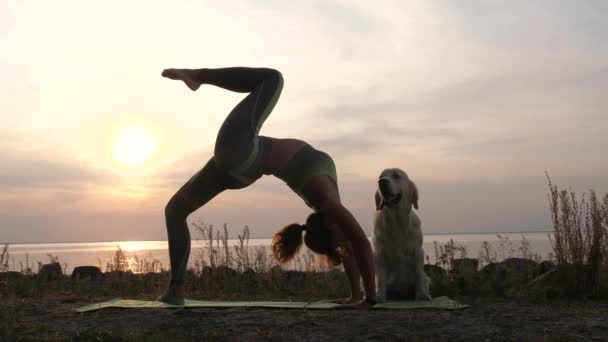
(484, 320)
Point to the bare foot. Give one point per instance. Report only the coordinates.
(174, 296)
(182, 75)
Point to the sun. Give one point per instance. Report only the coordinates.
(134, 145)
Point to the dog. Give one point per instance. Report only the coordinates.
(397, 239)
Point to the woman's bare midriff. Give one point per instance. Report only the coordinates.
(320, 191)
(281, 152)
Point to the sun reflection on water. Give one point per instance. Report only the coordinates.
(132, 246)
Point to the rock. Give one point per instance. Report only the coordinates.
(206, 271)
(434, 271)
(492, 267)
(276, 269)
(122, 275)
(219, 272)
(519, 266)
(155, 277)
(465, 266)
(248, 274)
(226, 271)
(83, 272)
(50, 272)
(544, 267)
(511, 271)
(497, 273)
(10, 275)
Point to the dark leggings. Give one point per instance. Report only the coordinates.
(237, 160)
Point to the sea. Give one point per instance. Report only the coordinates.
(71, 254)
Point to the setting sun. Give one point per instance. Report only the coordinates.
(134, 145)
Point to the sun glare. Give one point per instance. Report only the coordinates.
(134, 146)
(131, 246)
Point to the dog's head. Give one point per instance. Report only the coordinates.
(394, 186)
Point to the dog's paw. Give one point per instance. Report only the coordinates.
(423, 296)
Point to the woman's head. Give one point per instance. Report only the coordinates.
(317, 238)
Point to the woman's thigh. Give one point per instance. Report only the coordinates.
(236, 138)
(203, 186)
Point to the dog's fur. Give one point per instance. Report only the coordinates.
(397, 239)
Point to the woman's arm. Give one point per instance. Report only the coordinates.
(352, 236)
(363, 255)
(352, 271)
(322, 193)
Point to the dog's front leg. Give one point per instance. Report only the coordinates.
(422, 289)
(381, 280)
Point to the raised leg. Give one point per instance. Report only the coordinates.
(237, 147)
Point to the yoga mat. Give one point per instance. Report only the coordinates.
(437, 303)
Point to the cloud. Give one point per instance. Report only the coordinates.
(71, 227)
(538, 25)
(175, 173)
(5, 19)
(26, 166)
(475, 100)
(34, 172)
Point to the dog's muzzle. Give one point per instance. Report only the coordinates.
(385, 185)
(388, 197)
(386, 188)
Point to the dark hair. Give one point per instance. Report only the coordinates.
(287, 242)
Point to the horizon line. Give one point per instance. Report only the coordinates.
(262, 238)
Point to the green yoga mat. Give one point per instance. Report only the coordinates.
(437, 303)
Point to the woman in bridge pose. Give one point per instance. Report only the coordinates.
(241, 156)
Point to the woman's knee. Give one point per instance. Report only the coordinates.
(280, 80)
(274, 77)
(272, 73)
(177, 207)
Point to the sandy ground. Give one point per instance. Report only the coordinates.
(485, 320)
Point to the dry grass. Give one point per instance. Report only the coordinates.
(4, 256)
(217, 252)
(240, 271)
(446, 254)
(580, 239)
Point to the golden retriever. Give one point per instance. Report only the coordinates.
(397, 239)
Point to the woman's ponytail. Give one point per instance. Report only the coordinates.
(287, 242)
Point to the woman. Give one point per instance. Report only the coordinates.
(242, 156)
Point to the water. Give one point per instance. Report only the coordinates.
(100, 253)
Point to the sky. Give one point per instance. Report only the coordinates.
(475, 100)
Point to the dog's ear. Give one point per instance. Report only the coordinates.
(413, 194)
(379, 200)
